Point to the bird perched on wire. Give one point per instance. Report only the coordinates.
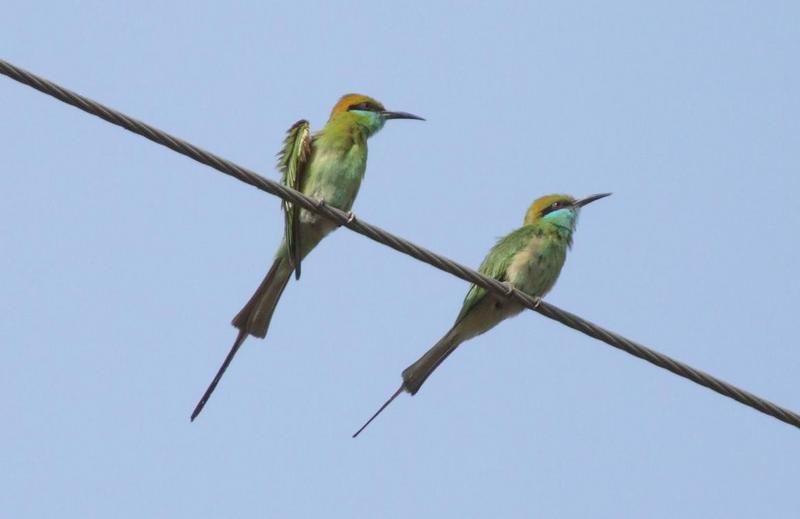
(528, 259)
(328, 166)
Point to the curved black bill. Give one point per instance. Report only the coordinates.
(589, 199)
(400, 115)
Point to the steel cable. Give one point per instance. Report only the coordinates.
(399, 244)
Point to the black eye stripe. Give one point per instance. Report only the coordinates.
(364, 106)
(555, 206)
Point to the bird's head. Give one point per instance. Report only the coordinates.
(366, 112)
(560, 210)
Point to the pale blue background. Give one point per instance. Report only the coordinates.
(121, 262)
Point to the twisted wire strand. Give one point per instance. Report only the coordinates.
(399, 244)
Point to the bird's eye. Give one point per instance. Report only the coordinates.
(361, 106)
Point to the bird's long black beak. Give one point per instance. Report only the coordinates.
(400, 115)
(589, 199)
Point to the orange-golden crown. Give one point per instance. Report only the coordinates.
(536, 208)
(349, 101)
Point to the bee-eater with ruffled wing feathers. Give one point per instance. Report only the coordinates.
(528, 259)
(329, 167)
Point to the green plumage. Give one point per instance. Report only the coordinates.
(328, 167)
(495, 264)
(528, 259)
(292, 162)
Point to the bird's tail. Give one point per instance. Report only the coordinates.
(256, 314)
(211, 387)
(416, 374)
(253, 318)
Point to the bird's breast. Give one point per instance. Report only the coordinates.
(534, 269)
(335, 176)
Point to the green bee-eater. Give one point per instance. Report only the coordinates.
(327, 166)
(528, 259)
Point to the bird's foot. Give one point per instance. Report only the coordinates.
(351, 217)
(320, 203)
(509, 288)
(537, 301)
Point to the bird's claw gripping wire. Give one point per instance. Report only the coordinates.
(509, 292)
(351, 216)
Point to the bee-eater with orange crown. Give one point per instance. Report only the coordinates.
(329, 167)
(528, 259)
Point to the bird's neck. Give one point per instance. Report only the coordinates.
(565, 218)
(559, 225)
(366, 123)
(342, 146)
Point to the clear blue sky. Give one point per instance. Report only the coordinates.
(122, 263)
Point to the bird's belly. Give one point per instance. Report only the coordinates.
(486, 315)
(338, 189)
(335, 176)
(338, 197)
(534, 271)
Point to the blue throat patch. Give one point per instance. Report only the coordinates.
(371, 120)
(564, 218)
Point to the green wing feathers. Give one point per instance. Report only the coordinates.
(292, 163)
(496, 264)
